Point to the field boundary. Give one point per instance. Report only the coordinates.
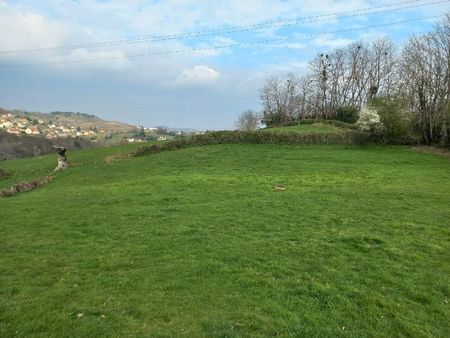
(347, 137)
(444, 152)
(25, 186)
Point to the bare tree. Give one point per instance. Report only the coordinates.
(280, 98)
(425, 67)
(248, 120)
(351, 77)
(383, 73)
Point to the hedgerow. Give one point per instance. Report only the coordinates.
(314, 121)
(256, 137)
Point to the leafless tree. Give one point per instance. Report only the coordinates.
(350, 76)
(382, 68)
(248, 120)
(418, 76)
(425, 67)
(281, 99)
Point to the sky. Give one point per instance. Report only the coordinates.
(179, 63)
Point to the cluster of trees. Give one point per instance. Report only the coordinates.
(78, 114)
(408, 86)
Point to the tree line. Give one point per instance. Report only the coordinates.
(407, 86)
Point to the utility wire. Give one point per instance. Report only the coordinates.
(226, 46)
(279, 23)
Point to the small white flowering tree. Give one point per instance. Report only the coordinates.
(369, 121)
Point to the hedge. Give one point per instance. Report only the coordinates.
(313, 121)
(257, 137)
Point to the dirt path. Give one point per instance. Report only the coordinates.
(434, 150)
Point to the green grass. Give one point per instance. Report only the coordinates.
(197, 243)
(305, 128)
(36, 167)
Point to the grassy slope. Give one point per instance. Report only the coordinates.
(196, 242)
(305, 128)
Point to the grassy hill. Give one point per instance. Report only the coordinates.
(229, 241)
(84, 121)
(305, 128)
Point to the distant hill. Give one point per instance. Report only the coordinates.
(33, 133)
(76, 119)
(14, 146)
(24, 134)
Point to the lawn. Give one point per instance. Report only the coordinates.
(229, 241)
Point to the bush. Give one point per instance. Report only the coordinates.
(369, 121)
(271, 119)
(397, 122)
(348, 114)
(313, 121)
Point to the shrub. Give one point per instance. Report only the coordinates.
(396, 120)
(348, 114)
(313, 121)
(369, 121)
(273, 118)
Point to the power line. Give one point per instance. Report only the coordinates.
(231, 45)
(280, 23)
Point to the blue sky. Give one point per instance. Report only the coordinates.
(204, 89)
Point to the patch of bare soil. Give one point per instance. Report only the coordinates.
(434, 150)
(118, 157)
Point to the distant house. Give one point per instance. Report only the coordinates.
(32, 131)
(162, 138)
(51, 136)
(134, 140)
(6, 124)
(13, 131)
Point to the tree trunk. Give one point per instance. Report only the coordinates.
(62, 159)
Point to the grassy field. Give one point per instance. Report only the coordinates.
(305, 128)
(229, 241)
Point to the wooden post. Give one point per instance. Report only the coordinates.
(62, 159)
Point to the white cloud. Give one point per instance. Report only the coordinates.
(198, 75)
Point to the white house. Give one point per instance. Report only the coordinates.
(32, 131)
(13, 131)
(6, 124)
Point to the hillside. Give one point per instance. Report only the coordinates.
(305, 128)
(24, 134)
(14, 146)
(68, 119)
(229, 240)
